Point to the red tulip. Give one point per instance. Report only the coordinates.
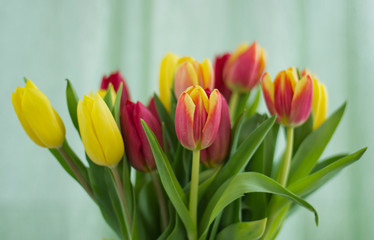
(116, 79)
(217, 152)
(197, 118)
(219, 65)
(138, 150)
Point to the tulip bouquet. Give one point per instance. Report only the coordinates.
(198, 162)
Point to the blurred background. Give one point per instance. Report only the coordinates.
(49, 40)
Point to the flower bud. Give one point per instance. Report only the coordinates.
(37, 116)
(219, 65)
(217, 152)
(244, 68)
(100, 135)
(197, 118)
(115, 79)
(138, 150)
(289, 97)
(192, 73)
(320, 100)
(167, 72)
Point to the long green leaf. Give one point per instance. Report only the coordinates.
(170, 182)
(72, 102)
(243, 230)
(62, 161)
(312, 147)
(242, 156)
(237, 186)
(117, 106)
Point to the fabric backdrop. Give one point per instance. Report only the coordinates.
(49, 40)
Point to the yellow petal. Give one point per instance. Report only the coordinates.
(320, 113)
(207, 70)
(167, 71)
(238, 51)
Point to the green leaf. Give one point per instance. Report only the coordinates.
(253, 106)
(301, 132)
(108, 97)
(76, 160)
(72, 102)
(242, 102)
(62, 161)
(324, 163)
(242, 156)
(170, 182)
(237, 186)
(117, 106)
(236, 133)
(243, 230)
(312, 147)
(177, 232)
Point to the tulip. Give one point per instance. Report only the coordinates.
(138, 150)
(219, 84)
(37, 116)
(197, 118)
(100, 135)
(152, 107)
(289, 97)
(244, 68)
(191, 73)
(320, 100)
(167, 72)
(217, 152)
(115, 79)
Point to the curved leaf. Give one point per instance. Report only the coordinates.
(237, 186)
(72, 102)
(243, 230)
(170, 182)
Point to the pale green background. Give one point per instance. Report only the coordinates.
(49, 41)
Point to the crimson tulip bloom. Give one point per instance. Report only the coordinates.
(289, 97)
(197, 118)
(138, 150)
(244, 68)
(217, 152)
(116, 79)
(219, 65)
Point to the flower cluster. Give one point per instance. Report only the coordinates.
(203, 114)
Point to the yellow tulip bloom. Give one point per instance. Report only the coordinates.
(320, 101)
(167, 72)
(100, 135)
(37, 116)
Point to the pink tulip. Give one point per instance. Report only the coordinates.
(219, 65)
(116, 79)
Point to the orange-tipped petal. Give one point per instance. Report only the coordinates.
(302, 101)
(210, 129)
(268, 91)
(184, 121)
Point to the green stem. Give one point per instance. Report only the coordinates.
(125, 209)
(233, 104)
(286, 161)
(161, 200)
(194, 186)
(76, 172)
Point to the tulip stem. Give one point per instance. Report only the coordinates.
(234, 99)
(194, 186)
(76, 172)
(286, 161)
(161, 200)
(121, 194)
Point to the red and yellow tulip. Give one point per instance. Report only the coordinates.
(166, 81)
(244, 68)
(197, 117)
(289, 97)
(37, 116)
(138, 150)
(219, 65)
(191, 73)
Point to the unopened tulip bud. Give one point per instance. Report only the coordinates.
(289, 97)
(217, 152)
(37, 116)
(138, 150)
(100, 135)
(192, 73)
(167, 72)
(115, 79)
(219, 65)
(244, 68)
(197, 118)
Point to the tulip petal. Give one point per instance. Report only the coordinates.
(184, 117)
(207, 71)
(283, 95)
(167, 71)
(107, 132)
(268, 91)
(219, 65)
(87, 132)
(212, 123)
(238, 51)
(319, 111)
(185, 77)
(302, 101)
(17, 100)
(41, 117)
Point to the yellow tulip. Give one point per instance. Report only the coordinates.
(102, 93)
(37, 116)
(167, 72)
(100, 135)
(320, 100)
